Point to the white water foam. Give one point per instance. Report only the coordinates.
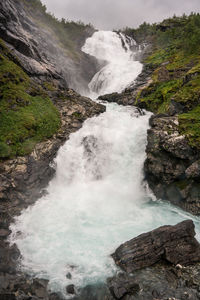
(121, 69)
(95, 202)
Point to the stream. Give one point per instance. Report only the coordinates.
(98, 198)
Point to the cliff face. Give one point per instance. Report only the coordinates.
(47, 49)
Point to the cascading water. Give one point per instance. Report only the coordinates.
(96, 200)
(120, 70)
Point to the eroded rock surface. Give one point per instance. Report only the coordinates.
(173, 244)
(172, 165)
(41, 54)
(154, 265)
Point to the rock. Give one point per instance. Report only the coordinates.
(40, 51)
(4, 233)
(163, 74)
(7, 297)
(70, 289)
(193, 171)
(171, 167)
(55, 296)
(153, 265)
(172, 244)
(39, 288)
(123, 285)
(69, 276)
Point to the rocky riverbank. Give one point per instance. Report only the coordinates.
(162, 264)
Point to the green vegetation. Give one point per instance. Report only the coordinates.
(24, 119)
(175, 59)
(177, 32)
(190, 125)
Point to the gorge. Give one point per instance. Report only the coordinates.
(72, 194)
(97, 199)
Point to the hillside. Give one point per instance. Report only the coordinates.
(175, 59)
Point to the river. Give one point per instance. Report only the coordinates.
(98, 198)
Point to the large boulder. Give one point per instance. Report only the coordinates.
(173, 244)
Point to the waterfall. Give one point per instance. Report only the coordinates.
(121, 68)
(97, 198)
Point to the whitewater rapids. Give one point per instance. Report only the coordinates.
(97, 199)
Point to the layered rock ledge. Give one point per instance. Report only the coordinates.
(161, 264)
(171, 244)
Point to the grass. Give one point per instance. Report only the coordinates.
(24, 119)
(189, 124)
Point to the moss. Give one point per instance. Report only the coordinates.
(26, 118)
(189, 124)
(5, 150)
(158, 57)
(77, 115)
(49, 86)
(189, 94)
(157, 95)
(182, 184)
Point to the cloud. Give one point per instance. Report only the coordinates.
(114, 14)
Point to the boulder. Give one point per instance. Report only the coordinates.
(172, 244)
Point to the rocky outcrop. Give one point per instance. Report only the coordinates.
(171, 244)
(159, 282)
(172, 165)
(40, 51)
(154, 267)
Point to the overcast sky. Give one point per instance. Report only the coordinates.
(114, 14)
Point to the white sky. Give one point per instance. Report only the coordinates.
(114, 14)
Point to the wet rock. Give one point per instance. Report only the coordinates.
(193, 171)
(69, 276)
(70, 289)
(173, 244)
(123, 285)
(171, 167)
(4, 233)
(39, 288)
(150, 269)
(55, 296)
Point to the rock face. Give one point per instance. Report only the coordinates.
(173, 244)
(172, 165)
(153, 264)
(39, 49)
(165, 248)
